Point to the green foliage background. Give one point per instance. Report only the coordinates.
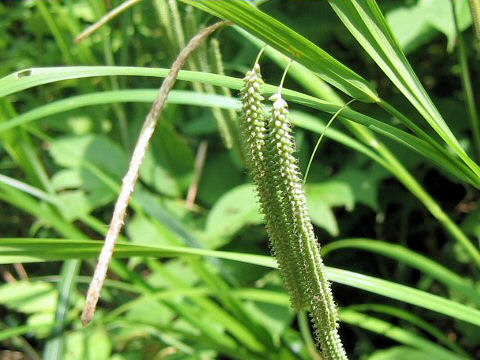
(197, 282)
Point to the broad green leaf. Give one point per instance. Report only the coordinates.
(171, 151)
(441, 18)
(276, 319)
(322, 215)
(37, 300)
(29, 297)
(66, 179)
(364, 184)
(73, 152)
(290, 43)
(332, 193)
(74, 204)
(220, 175)
(159, 178)
(430, 17)
(40, 250)
(94, 344)
(98, 345)
(142, 231)
(410, 34)
(322, 197)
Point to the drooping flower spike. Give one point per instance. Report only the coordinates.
(289, 185)
(270, 155)
(254, 132)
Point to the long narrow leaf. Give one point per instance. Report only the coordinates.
(365, 21)
(40, 250)
(290, 43)
(396, 333)
(409, 257)
(15, 82)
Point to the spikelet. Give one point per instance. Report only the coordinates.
(306, 251)
(253, 131)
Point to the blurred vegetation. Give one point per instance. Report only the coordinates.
(60, 174)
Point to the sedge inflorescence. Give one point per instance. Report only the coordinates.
(269, 149)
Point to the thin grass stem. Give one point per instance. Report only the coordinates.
(130, 179)
(467, 83)
(321, 137)
(106, 18)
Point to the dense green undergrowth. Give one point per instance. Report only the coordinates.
(392, 190)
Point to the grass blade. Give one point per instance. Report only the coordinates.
(413, 319)
(38, 250)
(290, 43)
(411, 258)
(365, 21)
(397, 333)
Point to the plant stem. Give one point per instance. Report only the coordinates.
(106, 18)
(467, 83)
(130, 179)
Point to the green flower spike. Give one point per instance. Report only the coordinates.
(253, 130)
(269, 149)
(293, 203)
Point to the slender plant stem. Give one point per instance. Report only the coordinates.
(467, 83)
(106, 18)
(130, 179)
(199, 165)
(307, 336)
(321, 137)
(475, 11)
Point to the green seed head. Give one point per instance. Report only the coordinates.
(308, 264)
(269, 148)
